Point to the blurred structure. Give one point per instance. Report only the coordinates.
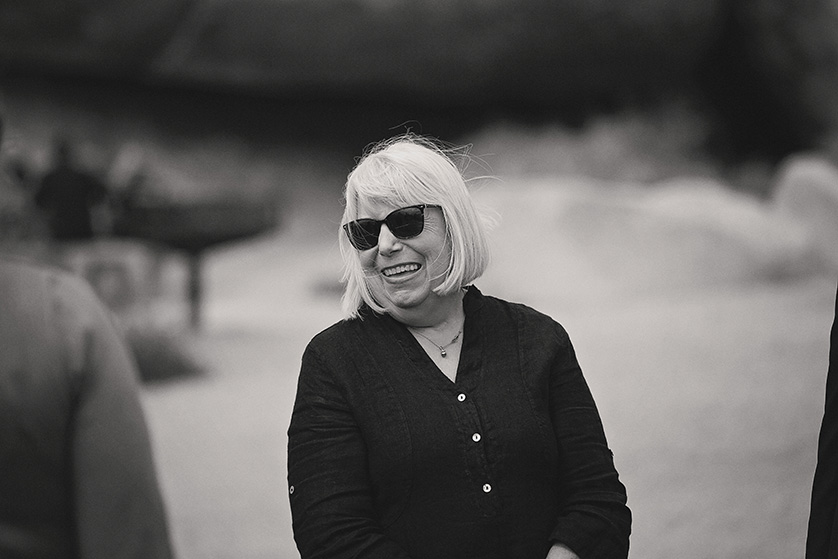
(194, 229)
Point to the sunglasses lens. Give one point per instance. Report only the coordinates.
(406, 222)
(363, 233)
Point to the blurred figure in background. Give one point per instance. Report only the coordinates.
(68, 196)
(822, 539)
(435, 421)
(77, 478)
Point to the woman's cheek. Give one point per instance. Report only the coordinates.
(368, 261)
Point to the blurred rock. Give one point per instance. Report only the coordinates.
(689, 232)
(122, 273)
(163, 354)
(807, 190)
(613, 239)
(142, 283)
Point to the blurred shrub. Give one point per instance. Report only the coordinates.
(162, 355)
(631, 146)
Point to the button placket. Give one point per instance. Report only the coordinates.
(478, 462)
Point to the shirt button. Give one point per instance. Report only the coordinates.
(486, 488)
(476, 437)
(291, 490)
(461, 397)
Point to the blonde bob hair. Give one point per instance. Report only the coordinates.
(404, 171)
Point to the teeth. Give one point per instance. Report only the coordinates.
(400, 269)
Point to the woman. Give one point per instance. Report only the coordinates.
(436, 422)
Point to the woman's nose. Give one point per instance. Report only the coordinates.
(387, 242)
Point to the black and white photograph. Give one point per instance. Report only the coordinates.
(391, 279)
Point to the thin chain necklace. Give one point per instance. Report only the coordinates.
(441, 348)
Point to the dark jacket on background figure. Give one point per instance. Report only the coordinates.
(822, 540)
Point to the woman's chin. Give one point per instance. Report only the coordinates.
(403, 299)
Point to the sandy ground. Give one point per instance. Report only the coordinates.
(710, 392)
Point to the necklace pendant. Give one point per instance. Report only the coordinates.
(443, 353)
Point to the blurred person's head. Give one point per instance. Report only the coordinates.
(419, 236)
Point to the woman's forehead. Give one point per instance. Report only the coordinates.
(377, 207)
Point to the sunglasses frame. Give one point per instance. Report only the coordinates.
(379, 222)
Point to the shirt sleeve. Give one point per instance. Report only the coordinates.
(594, 520)
(330, 492)
(118, 507)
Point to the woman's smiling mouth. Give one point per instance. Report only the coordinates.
(393, 271)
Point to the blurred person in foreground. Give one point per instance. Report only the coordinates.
(436, 422)
(77, 479)
(822, 538)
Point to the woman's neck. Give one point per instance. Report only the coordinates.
(446, 313)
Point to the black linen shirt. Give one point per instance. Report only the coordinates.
(387, 458)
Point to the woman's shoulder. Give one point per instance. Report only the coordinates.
(531, 324)
(352, 351)
(516, 310)
(344, 334)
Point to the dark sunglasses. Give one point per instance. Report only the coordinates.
(404, 223)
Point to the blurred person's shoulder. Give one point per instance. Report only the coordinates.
(26, 277)
(52, 321)
(42, 293)
(23, 279)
